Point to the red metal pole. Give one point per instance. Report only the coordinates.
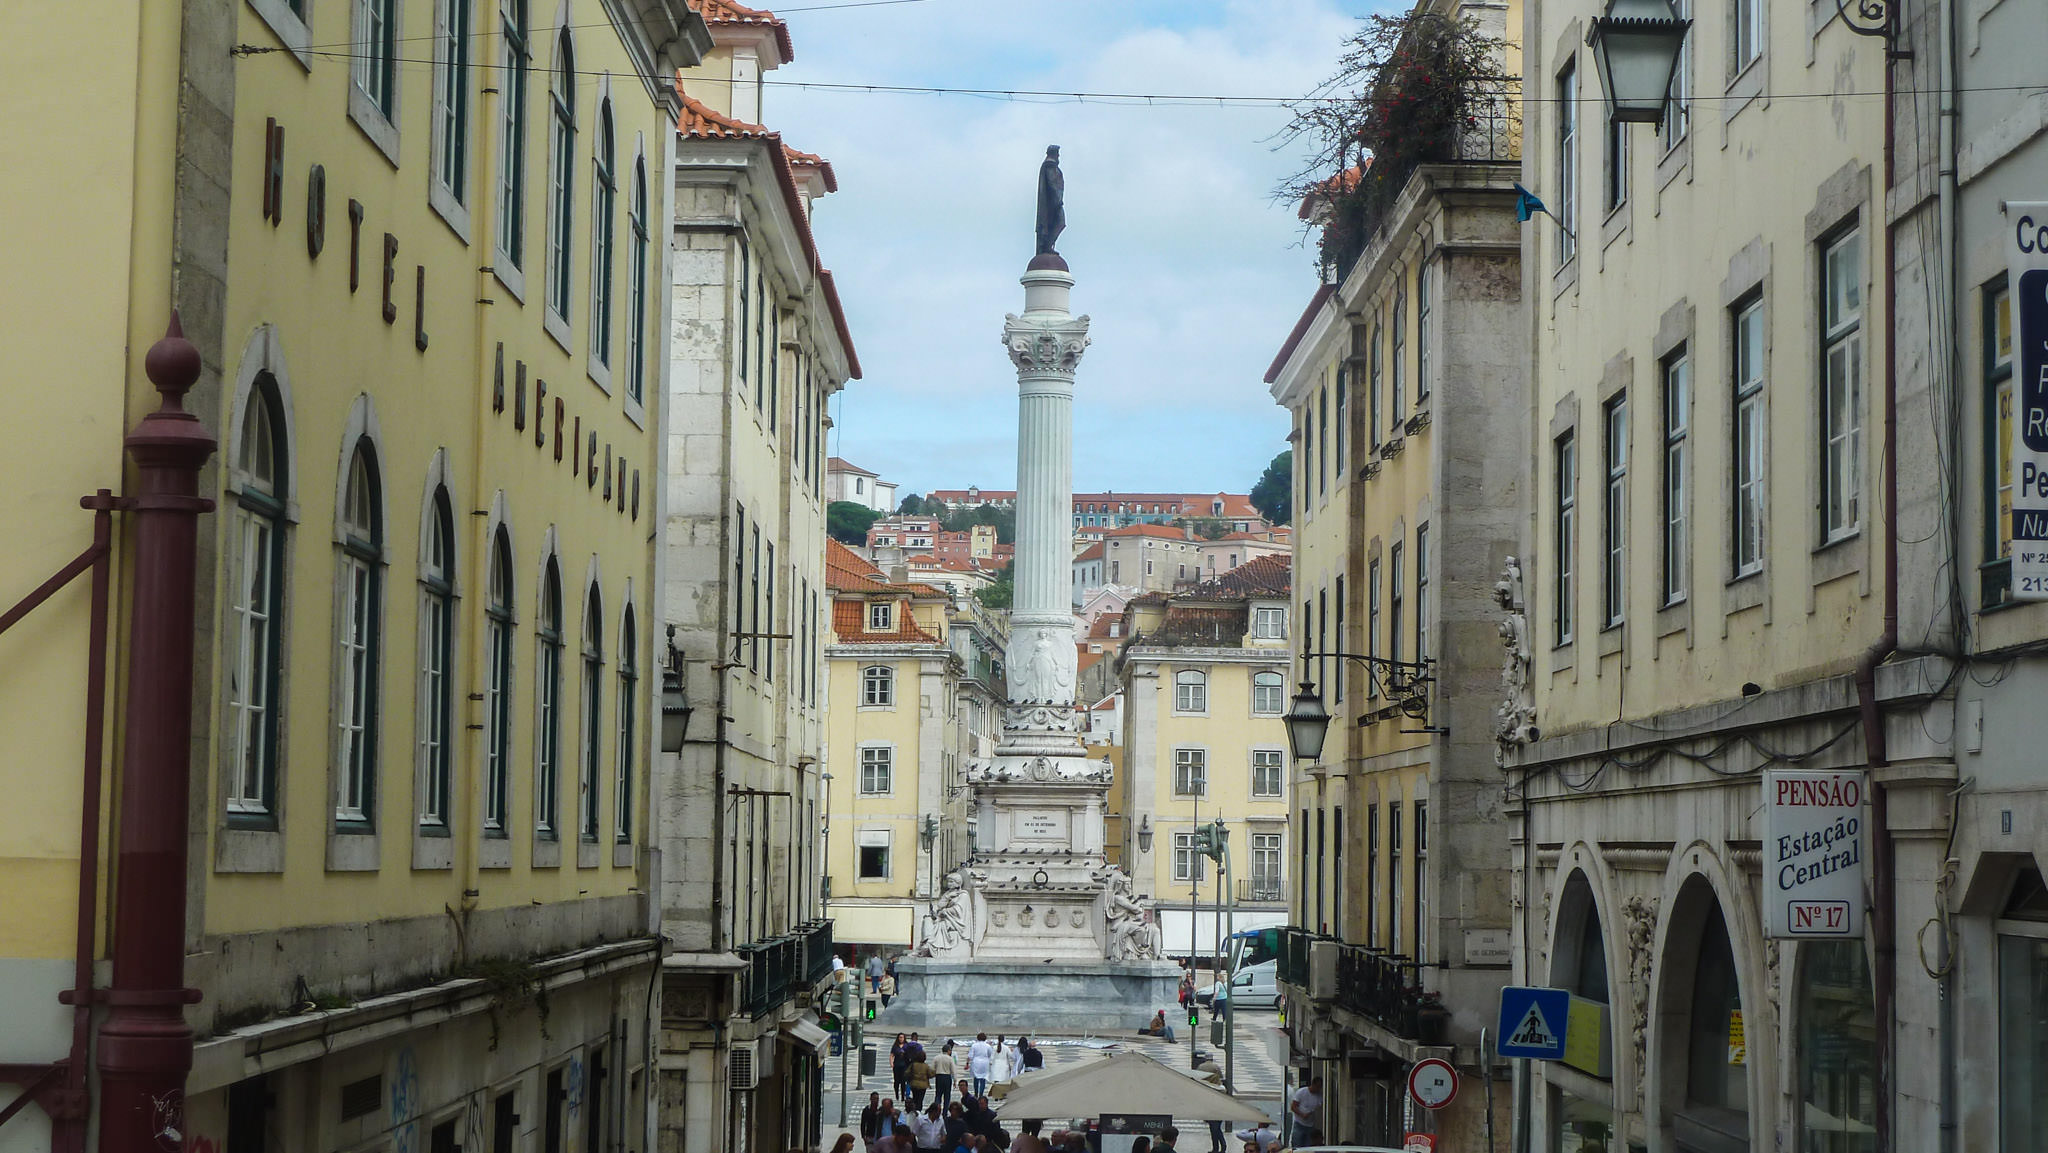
(145, 1047)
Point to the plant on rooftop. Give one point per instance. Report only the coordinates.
(1411, 89)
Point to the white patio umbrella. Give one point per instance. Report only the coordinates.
(1126, 1082)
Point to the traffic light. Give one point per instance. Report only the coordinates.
(1194, 1015)
(869, 1007)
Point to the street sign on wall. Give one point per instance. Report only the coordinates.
(1813, 852)
(1533, 1021)
(2027, 471)
(1433, 1081)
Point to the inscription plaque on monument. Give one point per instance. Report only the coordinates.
(1042, 825)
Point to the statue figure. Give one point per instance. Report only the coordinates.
(1052, 200)
(1044, 675)
(1131, 936)
(945, 926)
(1514, 722)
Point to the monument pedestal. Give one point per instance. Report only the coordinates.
(1108, 998)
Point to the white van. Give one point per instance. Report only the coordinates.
(1255, 986)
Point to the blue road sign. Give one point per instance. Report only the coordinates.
(1533, 1022)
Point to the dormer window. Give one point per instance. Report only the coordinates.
(1269, 624)
(881, 617)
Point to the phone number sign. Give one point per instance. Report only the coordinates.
(1814, 853)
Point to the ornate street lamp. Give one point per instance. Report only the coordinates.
(929, 832)
(1636, 46)
(1145, 833)
(1308, 723)
(675, 703)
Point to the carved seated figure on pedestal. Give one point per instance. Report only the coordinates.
(945, 931)
(1131, 936)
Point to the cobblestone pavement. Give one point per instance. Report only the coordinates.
(1257, 1078)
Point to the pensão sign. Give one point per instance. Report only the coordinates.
(1814, 837)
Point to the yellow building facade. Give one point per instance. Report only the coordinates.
(1203, 682)
(897, 798)
(416, 248)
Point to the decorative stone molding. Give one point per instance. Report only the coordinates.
(1514, 722)
(1045, 349)
(1639, 919)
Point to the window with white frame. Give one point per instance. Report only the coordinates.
(1187, 860)
(629, 749)
(1268, 773)
(1614, 566)
(356, 621)
(881, 617)
(1190, 691)
(437, 660)
(1397, 374)
(636, 288)
(1422, 318)
(1746, 33)
(878, 687)
(451, 98)
(1747, 460)
(1616, 185)
(604, 192)
(1190, 772)
(1568, 160)
(1265, 867)
(1422, 592)
(877, 770)
(1375, 377)
(1841, 398)
(512, 133)
(376, 55)
(1372, 621)
(255, 662)
(1396, 573)
(1677, 372)
(547, 736)
(1678, 110)
(498, 689)
(873, 845)
(592, 752)
(1342, 420)
(561, 178)
(1566, 588)
(1268, 694)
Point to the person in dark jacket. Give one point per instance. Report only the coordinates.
(871, 1119)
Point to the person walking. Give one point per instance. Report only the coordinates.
(887, 988)
(876, 967)
(917, 1078)
(979, 1056)
(1217, 1140)
(929, 1131)
(899, 1063)
(871, 1119)
(844, 1144)
(942, 1076)
(1306, 1111)
(1001, 1062)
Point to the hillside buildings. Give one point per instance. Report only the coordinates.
(760, 346)
(847, 481)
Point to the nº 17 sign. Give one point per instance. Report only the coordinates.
(1814, 856)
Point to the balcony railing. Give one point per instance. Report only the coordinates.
(1261, 888)
(1385, 988)
(817, 938)
(1293, 959)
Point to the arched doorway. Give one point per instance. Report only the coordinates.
(1581, 1122)
(1703, 1038)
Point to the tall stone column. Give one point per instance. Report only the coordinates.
(1045, 344)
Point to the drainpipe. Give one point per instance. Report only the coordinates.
(145, 1046)
(1883, 920)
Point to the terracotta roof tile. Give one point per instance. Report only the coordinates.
(841, 464)
(718, 12)
(1308, 317)
(1205, 625)
(1092, 552)
(1271, 575)
(850, 626)
(811, 160)
(1162, 531)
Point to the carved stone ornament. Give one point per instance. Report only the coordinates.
(1639, 916)
(1077, 918)
(1041, 769)
(1024, 917)
(1044, 718)
(999, 917)
(1035, 349)
(1514, 722)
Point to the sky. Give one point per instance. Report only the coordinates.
(1192, 272)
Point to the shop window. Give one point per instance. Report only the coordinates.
(1837, 1058)
(2023, 1017)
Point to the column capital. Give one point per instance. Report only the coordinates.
(1050, 347)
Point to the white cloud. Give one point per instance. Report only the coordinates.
(1192, 273)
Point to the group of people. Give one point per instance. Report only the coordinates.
(914, 1072)
(965, 1126)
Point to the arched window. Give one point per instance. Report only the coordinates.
(1837, 1049)
(878, 686)
(1579, 963)
(359, 593)
(604, 191)
(1190, 691)
(498, 691)
(561, 186)
(1267, 693)
(629, 750)
(254, 600)
(512, 134)
(547, 735)
(437, 664)
(636, 289)
(1716, 1078)
(591, 755)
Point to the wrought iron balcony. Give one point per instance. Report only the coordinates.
(1386, 989)
(771, 966)
(1260, 887)
(817, 938)
(1293, 959)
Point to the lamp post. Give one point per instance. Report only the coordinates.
(928, 835)
(675, 702)
(1636, 46)
(825, 859)
(1308, 723)
(1145, 833)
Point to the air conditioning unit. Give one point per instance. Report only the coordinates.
(742, 1074)
(1322, 970)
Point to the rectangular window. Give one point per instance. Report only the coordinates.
(629, 748)
(1268, 695)
(1265, 871)
(1677, 371)
(1190, 691)
(451, 98)
(739, 582)
(512, 134)
(1614, 574)
(1377, 375)
(1746, 34)
(768, 643)
(1372, 876)
(1266, 773)
(1841, 397)
(1567, 543)
(1343, 396)
(1747, 464)
(498, 715)
(1678, 111)
(354, 711)
(1422, 590)
(1397, 390)
(1343, 667)
(877, 766)
(874, 855)
(1998, 414)
(878, 686)
(1323, 635)
(1396, 575)
(593, 743)
(561, 180)
(250, 691)
(1372, 621)
(1187, 863)
(1190, 772)
(1421, 880)
(1422, 357)
(1269, 623)
(376, 41)
(1323, 441)
(1617, 164)
(1394, 878)
(754, 600)
(1568, 160)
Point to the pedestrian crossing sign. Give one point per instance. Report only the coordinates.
(1533, 1022)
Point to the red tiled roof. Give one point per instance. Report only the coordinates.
(718, 12)
(811, 160)
(1092, 552)
(1271, 575)
(1162, 531)
(850, 625)
(847, 571)
(1308, 317)
(986, 494)
(1332, 188)
(705, 123)
(1083, 659)
(841, 464)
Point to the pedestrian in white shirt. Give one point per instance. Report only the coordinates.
(1002, 1062)
(929, 1131)
(980, 1056)
(1306, 1108)
(1261, 1136)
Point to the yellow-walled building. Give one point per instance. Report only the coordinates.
(418, 249)
(897, 813)
(1203, 678)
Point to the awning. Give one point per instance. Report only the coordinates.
(806, 1032)
(1126, 1082)
(864, 924)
